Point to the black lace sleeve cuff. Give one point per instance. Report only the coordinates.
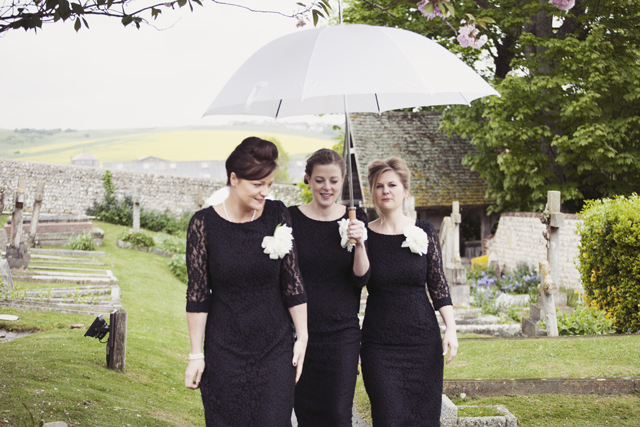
(293, 300)
(197, 307)
(443, 302)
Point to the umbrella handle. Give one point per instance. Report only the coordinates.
(352, 216)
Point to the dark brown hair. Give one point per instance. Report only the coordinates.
(324, 156)
(253, 159)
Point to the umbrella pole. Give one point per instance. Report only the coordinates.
(347, 142)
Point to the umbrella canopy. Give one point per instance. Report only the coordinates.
(348, 68)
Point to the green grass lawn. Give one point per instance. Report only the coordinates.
(60, 375)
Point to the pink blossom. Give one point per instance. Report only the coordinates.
(436, 11)
(563, 4)
(300, 23)
(467, 36)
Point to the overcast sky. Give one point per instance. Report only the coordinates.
(111, 77)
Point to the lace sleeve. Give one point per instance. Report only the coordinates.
(198, 287)
(436, 280)
(291, 285)
(360, 282)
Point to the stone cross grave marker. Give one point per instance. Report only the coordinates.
(16, 217)
(136, 209)
(454, 271)
(554, 220)
(18, 252)
(37, 204)
(547, 289)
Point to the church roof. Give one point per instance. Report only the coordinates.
(85, 156)
(435, 160)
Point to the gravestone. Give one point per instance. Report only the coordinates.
(5, 276)
(454, 271)
(37, 204)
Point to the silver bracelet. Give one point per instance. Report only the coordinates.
(196, 356)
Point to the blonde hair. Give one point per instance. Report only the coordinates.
(378, 167)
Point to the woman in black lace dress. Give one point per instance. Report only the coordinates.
(402, 352)
(334, 272)
(244, 290)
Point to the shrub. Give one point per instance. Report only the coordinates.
(585, 320)
(81, 242)
(171, 244)
(137, 238)
(113, 211)
(609, 264)
(178, 266)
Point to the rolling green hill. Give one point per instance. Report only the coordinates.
(176, 144)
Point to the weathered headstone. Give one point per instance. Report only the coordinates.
(37, 204)
(454, 271)
(6, 285)
(136, 209)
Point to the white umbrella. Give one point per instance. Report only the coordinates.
(348, 68)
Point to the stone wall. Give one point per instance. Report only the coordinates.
(72, 189)
(519, 239)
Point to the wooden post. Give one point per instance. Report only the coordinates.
(37, 204)
(16, 217)
(117, 344)
(136, 209)
(546, 292)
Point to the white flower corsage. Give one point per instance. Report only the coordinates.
(344, 239)
(417, 240)
(278, 245)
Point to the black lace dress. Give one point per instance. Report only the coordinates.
(402, 362)
(248, 378)
(324, 394)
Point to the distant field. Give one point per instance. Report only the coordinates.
(170, 144)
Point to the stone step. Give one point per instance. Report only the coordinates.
(38, 267)
(496, 330)
(93, 300)
(38, 261)
(68, 253)
(106, 280)
(67, 274)
(55, 292)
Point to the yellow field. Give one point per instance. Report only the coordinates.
(176, 146)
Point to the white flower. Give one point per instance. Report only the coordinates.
(344, 239)
(278, 245)
(417, 239)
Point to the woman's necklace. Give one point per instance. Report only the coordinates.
(229, 219)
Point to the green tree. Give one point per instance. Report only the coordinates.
(568, 118)
(31, 14)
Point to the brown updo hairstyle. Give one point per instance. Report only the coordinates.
(324, 156)
(378, 167)
(253, 159)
